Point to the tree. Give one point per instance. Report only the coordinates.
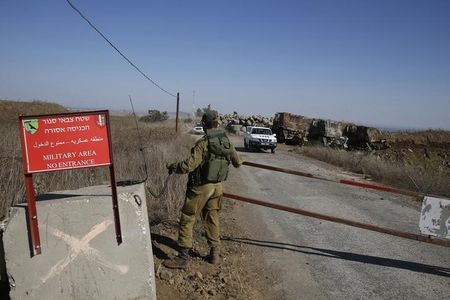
(155, 116)
(200, 112)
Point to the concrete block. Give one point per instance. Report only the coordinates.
(80, 257)
(435, 217)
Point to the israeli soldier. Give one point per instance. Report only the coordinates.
(207, 167)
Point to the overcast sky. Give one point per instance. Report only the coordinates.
(376, 62)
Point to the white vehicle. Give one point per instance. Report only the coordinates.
(197, 130)
(260, 138)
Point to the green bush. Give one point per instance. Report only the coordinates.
(201, 111)
(155, 116)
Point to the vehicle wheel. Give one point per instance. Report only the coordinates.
(272, 150)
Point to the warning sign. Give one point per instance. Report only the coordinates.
(65, 141)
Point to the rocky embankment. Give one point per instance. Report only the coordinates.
(237, 123)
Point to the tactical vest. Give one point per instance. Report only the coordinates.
(214, 167)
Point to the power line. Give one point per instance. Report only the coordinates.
(118, 51)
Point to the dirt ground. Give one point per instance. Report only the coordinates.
(239, 275)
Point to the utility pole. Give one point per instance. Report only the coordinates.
(178, 109)
(193, 104)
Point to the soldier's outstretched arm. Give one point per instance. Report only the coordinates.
(236, 159)
(195, 159)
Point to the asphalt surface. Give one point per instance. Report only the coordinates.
(314, 259)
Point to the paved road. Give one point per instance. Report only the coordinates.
(315, 259)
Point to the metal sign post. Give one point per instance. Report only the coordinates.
(64, 142)
(33, 226)
(178, 110)
(112, 177)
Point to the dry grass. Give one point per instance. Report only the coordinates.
(414, 173)
(10, 110)
(427, 137)
(161, 145)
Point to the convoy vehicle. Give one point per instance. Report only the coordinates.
(259, 138)
(365, 138)
(298, 130)
(328, 133)
(291, 129)
(198, 130)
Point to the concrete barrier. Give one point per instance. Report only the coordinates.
(80, 257)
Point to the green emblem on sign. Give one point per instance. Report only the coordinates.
(31, 126)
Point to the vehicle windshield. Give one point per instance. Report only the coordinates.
(265, 131)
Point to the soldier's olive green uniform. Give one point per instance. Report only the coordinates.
(202, 197)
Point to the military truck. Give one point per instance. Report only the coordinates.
(327, 132)
(296, 130)
(364, 138)
(291, 129)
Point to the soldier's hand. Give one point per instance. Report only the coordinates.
(171, 168)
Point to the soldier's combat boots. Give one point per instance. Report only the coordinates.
(179, 262)
(214, 253)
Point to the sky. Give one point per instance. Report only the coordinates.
(383, 63)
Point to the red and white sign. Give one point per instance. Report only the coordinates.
(65, 141)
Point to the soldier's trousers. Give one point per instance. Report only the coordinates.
(205, 200)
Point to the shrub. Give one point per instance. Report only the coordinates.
(155, 116)
(200, 112)
(188, 120)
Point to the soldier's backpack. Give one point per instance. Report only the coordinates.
(216, 165)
